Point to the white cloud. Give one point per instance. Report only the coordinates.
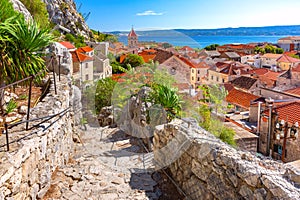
(148, 13)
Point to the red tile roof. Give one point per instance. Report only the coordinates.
(202, 64)
(68, 45)
(85, 49)
(289, 112)
(132, 33)
(147, 58)
(271, 75)
(296, 68)
(80, 57)
(295, 91)
(240, 98)
(122, 58)
(287, 59)
(186, 48)
(271, 55)
(260, 71)
(186, 61)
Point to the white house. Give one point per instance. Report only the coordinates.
(63, 57)
(289, 43)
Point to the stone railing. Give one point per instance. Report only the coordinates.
(26, 170)
(206, 168)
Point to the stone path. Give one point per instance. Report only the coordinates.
(106, 165)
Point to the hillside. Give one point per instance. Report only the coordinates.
(241, 31)
(60, 12)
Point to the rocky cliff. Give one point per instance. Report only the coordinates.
(64, 13)
(61, 12)
(19, 6)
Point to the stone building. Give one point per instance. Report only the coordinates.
(132, 39)
(283, 142)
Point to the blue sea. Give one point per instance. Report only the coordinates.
(203, 41)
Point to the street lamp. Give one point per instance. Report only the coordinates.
(282, 130)
(294, 130)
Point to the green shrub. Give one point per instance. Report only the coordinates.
(167, 97)
(103, 94)
(11, 106)
(38, 10)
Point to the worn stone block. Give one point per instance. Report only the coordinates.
(6, 171)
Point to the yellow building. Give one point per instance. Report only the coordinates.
(286, 62)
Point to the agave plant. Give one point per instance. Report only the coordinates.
(167, 97)
(19, 42)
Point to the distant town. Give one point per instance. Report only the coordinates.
(262, 81)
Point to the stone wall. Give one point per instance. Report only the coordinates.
(206, 168)
(25, 171)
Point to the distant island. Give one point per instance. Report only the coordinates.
(241, 31)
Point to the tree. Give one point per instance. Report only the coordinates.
(117, 68)
(133, 60)
(211, 47)
(166, 45)
(78, 41)
(279, 51)
(103, 93)
(268, 49)
(213, 100)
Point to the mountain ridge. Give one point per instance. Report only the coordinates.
(240, 31)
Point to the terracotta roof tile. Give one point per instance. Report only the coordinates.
(186, 48)
(287, 59)
(132, 33)
(147, 58)
(122, 58)
(202, 64)
(260, 71)
(271, 75)
(85, 49)
(68, 45)
(80, 57)
(186, 61)
(271, 55)
(289, 112)
(295, 91)
(296, 68)
(240, 98)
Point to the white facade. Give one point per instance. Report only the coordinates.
(64, 58)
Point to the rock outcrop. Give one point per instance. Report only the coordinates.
(64, 13)
(206, 168)
(19, 6)
(61, 12)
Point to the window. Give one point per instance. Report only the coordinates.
(192, 78)
(199, 71)
(223, 80)
(86, 77)
(86, 65)
(217, 79)
(212, 77)
(198, 78)
(193, 71)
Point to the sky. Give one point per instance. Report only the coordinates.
(121, 15)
